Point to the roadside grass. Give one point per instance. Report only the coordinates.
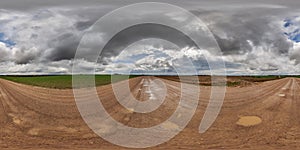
(261, 78)
(65, 81)
(233, 84)
(62, 81)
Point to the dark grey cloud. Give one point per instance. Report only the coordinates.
(243, 32)
(211, 4)
(23, 57)
(145, 31)
(64, 47)
(50, 30)
(83, 25)
(258, 40)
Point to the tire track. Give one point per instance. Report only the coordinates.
(33, 117)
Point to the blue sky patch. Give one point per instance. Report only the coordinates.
(296, 38)
(287, 23)
(293, 35)
(7, 42)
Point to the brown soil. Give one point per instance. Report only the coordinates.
(40, 118)
(232, 81)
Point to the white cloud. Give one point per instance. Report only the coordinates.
(5, 52)
(46, 39)
(36, 33)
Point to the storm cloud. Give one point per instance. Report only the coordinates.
(42, 37)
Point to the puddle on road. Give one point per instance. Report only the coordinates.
(248, 121)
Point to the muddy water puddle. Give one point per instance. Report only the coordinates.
(248, 121)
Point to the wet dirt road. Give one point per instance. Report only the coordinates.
(41, 118)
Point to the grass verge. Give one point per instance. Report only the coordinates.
(61, 81)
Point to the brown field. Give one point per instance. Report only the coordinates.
(255, 115)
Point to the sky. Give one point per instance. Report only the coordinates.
(258, 37)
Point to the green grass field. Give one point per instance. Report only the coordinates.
(61, 81)
(65, 81)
